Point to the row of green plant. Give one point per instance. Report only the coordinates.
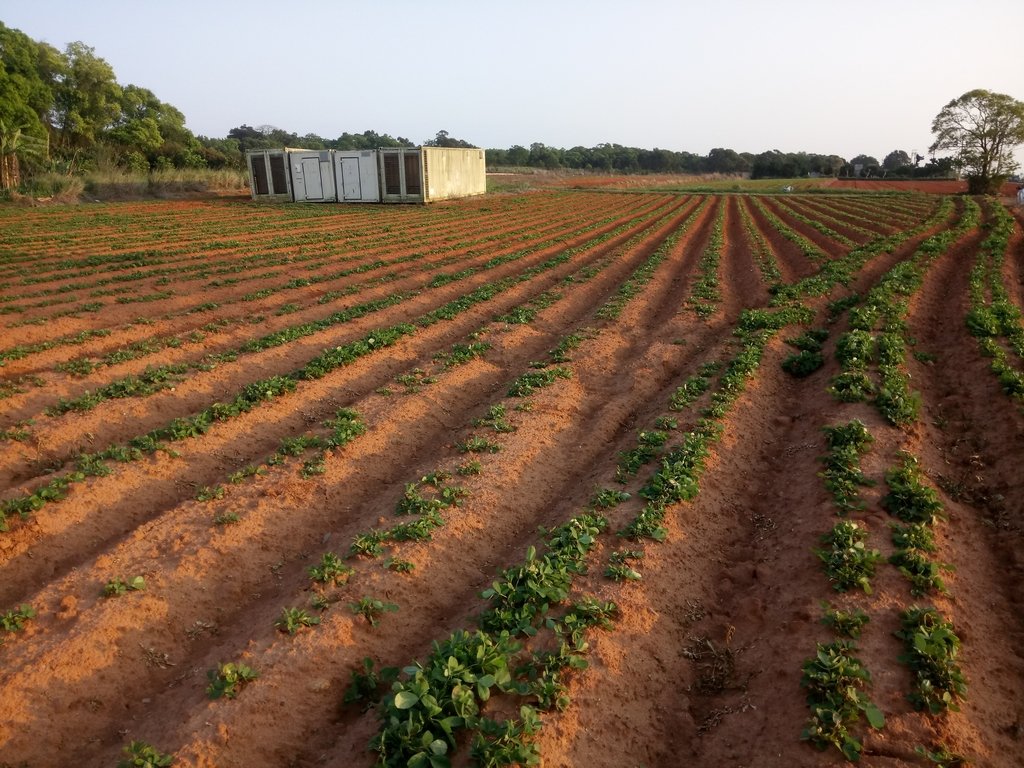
(842, 473)
(818, 223)
(520, 600)
(761, 250)
(705, 296)
(843, 269)
(807, 248)
(275, 252)
(993, 318)
(257, 392)
(877, 332)
(632, 287)
(846, 218)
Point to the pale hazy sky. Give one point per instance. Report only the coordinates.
(812, 75)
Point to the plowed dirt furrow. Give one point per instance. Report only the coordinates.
(970, 439)
(880, 225)
(345, 237)
(822, 241)
(188, 322)
(858, 231)
(742, 284)
(133, 416)
(561, 468)
(792, 262)
(401, 276)
(703, 663)
(117, 313)
(531, 446)
(208, 459)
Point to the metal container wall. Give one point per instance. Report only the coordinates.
(312, 175)
(355, 174)
(269, 177)
(450, 172)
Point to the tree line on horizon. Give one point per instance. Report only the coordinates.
(64, 112)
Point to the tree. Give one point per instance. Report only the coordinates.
(869, 165)
(17, 147)
(88, 99)
(982, 128)
(895, 160)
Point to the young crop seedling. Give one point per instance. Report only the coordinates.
(909, 499)
(606, 498)
(14, 619)
(370, 608)
(931, 647)
(846, 623)
(116, 587)
(366, 685)
(398, 565)
(471, 467)
(477, 444)
(330, 570)
(618, 565)
(495, 419)
(139, 754)
(835, 679)
(294, 619)
(226, 518)
(842, 474)
(228, 680)
(207, 493)
(848, 562)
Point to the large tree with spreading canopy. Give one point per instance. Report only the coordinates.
(982, 129)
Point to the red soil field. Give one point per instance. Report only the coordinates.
(473, 406)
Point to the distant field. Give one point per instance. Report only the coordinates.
(583, 462)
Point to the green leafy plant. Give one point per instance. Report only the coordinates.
(207, 493)
(371, 609)
(399, 565)
(139, 754)
(848, 623)
(495, 419)
(330, 570)
(848, 561)
(366, 684)
(226, 518)
(116, 587)
(943, 756)
(931, 647)
(471, 467)
(14, 619)
(294, 619)
(803, 363)
(835, 679)
(507, 743)
(909, 499)
(618, 565)
(477, 444)
(606, 498)
(228, 680)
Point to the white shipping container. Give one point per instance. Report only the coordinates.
(355, 174)
(312, 175)
(450, 172)
(269, 178)
(427, 174)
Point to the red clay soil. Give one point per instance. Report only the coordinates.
(703, 664)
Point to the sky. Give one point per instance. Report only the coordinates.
(821, 76)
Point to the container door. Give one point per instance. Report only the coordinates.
(314, 185)
(350, 182)
(258, 169)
